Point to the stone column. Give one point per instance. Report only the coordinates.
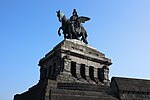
(96, 75)
(67, 66)
(87, 72)
(78, 74)
(106, 75)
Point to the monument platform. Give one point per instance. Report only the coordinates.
(72, 70)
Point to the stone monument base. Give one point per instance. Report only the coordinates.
(72, 70)
(76, 71)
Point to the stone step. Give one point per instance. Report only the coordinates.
(61, 94)
(82, 87)
(66, 97)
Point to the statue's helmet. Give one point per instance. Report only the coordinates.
(74, 12)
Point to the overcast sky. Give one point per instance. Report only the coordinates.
(28, 30)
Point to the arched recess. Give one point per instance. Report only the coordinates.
(82, 71)
(100, 74)
(73, 68)
(91, 72)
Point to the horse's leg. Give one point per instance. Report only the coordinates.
(85, 41)
(59, 31)
(84, 35)
(64, 35)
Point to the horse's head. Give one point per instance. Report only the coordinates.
(60, 15)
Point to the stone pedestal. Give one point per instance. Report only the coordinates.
(74, 59)
(76, 71)
(70, 65)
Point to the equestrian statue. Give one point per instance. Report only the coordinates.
(72, 28)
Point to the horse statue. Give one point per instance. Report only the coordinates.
(72, 29)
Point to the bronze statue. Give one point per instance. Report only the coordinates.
(74, 21)
(72, 28)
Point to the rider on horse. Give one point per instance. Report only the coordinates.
(75, 25)
(72, 28)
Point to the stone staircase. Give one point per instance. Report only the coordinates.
(62, 94)
(80, 91)
(83, 87)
